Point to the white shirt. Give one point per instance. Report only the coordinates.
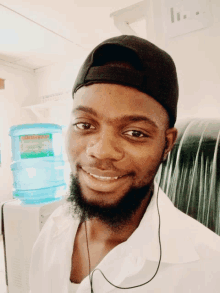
(73, 287)
(190, 255)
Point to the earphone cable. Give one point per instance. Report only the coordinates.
(90, 279)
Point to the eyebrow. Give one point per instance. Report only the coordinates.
(126, 118)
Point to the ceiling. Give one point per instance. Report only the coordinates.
(37, 33)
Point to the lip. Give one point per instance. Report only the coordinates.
(102, 174)
(103, 183)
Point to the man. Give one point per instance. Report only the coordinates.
(117, 229)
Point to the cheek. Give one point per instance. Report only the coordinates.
(73, 146)
(147, 162)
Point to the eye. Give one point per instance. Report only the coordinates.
(135, 133)
(83, 126)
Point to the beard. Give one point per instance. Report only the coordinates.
(115, 215)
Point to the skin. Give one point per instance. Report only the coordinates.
(102, 139)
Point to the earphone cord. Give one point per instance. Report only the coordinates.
(89, 259)
(90, 277)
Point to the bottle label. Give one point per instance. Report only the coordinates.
(36, 145)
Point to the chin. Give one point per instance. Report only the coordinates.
(88, 204)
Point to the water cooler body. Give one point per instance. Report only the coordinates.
(37, 163)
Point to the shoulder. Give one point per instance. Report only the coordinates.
(185, 231)
(52, 246)
(206, 242)
(59, 221)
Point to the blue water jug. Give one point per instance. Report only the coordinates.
(37, 163)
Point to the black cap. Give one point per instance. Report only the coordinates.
(151, 70)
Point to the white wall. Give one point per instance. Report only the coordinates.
(51, 81)
(20, 91)
(198, 66)
(196, 56)
(58, 77)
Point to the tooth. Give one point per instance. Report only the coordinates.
(103, 178)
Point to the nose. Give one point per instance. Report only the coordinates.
(105, 147)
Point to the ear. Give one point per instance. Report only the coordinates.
(170, 136)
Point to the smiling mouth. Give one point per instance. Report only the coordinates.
(103, 178)
(94, 180)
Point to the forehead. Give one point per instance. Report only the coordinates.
(112, 101)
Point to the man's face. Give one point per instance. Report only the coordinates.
(115, 144)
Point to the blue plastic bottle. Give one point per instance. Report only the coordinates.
(37, 163)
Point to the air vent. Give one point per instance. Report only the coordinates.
(56, 97)
(185, 16)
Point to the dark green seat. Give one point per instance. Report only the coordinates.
(191, 174)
